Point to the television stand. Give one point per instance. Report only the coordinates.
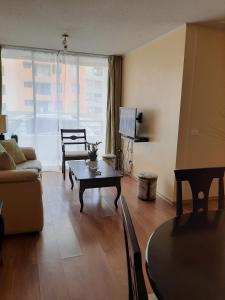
(141, 139)
(137, 139)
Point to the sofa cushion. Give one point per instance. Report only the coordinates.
(29, 153)
(29, 164)
(14, 150)
(6, 161)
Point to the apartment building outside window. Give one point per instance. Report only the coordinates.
(52, 92)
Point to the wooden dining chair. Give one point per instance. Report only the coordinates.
(73, 137)
(200, 181)
(136, 283)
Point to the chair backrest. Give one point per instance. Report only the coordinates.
(73, 137)
(136, 283)
(200, 181)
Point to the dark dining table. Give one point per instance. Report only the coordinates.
(185, 257)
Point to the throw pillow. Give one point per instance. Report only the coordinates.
(6, 161)
(2, 149)
(14, 150)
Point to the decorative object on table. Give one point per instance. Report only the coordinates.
(3, 126)
(15, 137)
(147, 183)
(93, 154)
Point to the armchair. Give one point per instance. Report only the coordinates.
(73, 135)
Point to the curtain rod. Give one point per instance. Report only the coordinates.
(55, 51)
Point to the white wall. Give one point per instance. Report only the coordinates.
(152, 81)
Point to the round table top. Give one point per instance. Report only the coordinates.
(185, 257)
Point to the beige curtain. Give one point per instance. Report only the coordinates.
(0, 79)
(113, 103)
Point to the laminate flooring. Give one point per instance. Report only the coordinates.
(78, 255)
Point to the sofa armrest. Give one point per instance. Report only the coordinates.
(18, 176)
(29, 153)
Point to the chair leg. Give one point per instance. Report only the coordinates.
(64, 168)
(64, 173)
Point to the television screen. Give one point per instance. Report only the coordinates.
(127, 125)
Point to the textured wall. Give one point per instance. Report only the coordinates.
(201, 141)
(152, 81)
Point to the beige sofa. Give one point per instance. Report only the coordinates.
(21, 193)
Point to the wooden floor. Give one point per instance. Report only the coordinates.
(77, 256)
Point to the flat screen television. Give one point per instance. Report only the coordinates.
(127, 124)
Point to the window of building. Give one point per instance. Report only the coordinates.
(29, 102)
(74, 88)
(98, 71)
(28, 84)
(98, 84)
(97, 95)
(56, 68)
(42, 69)
(27, 65)
(43, 88)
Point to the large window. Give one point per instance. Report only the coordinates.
(44, 92)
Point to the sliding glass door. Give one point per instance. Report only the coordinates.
(46, 91)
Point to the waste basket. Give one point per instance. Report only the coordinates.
(147, 183)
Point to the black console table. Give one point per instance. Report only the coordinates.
(137, 139)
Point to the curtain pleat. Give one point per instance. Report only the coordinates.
(113, 104)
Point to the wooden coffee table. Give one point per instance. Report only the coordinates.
(88, 178)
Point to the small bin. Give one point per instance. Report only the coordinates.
(147, 183)
(110, 159)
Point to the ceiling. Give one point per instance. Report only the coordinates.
(98, 26)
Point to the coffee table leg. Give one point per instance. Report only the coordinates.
(71, 178)
(81, 191)
(118, 187)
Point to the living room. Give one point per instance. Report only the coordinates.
(72, 65)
